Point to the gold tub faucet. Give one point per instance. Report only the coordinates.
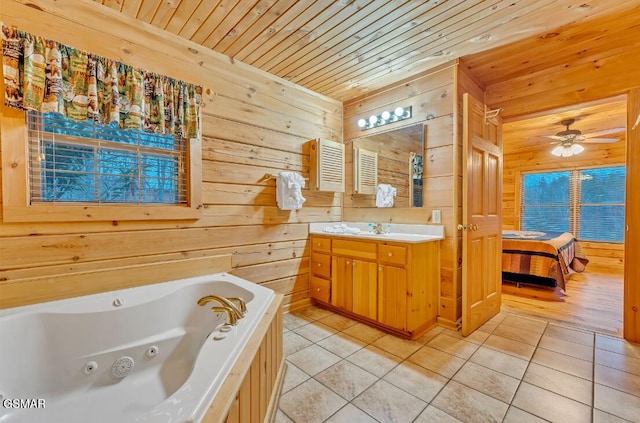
(241, 304)
(223, 302)
(231, 315)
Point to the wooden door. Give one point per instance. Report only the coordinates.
(392, 296)
(342, 283)
(365, 289)
(481, 215)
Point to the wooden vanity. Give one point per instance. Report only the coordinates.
(388, 284)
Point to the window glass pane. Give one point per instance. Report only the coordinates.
(602, 223)
(602, 186)
(118, 176)
(545, 218)
(67, 173)
(546, 188)
(87, 162)
(159, 179)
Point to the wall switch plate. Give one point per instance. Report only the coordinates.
(436, 216)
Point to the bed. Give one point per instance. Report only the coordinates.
(541, 258)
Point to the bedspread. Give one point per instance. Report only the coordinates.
(553, 256)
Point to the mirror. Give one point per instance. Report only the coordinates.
(400, 163)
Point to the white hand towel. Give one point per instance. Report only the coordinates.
(384, 195)
(289, 190)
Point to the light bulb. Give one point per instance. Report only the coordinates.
(362, 123)
(373, 120)
(557, 151)
(399, 111)
(386, 115)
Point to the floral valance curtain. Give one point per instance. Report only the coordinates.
(47, 76)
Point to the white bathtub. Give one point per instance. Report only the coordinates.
(47, 350)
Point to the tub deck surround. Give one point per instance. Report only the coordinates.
(398, 232)
(143, 354)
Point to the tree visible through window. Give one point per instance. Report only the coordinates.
(83, 162)
(587, 202)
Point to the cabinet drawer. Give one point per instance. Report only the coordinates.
(392, 254)
(321, 265)
(358, 249)
(320, 289)
(321, 244)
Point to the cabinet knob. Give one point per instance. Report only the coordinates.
(319, 264)
(318, 289)
(390, 254)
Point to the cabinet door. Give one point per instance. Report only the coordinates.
(392, 296)
(342, 283)
(365, 289)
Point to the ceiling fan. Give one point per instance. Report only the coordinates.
(569, 140)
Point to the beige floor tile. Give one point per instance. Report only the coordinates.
(561, 383)
(374, 360)
(580, 351)
(310, 402)
(364, 333)
(430, 335)
(509, 346)
(292, 321)
(622, 381)
(282, 418)
(564, 363)
(476, 337)
(293, 377)
(621, 362)
(292, 343)
(500, 362)
(346, 379)
(571, 335)
(469, 405)
(313, 313)
(342, 344)
(454, 346)
(434, 415)
(550, 406)
(313, 359)
(386, 403)
(527, 325)
(602, 417)
(315, 331)
(617, 345)
(487, 381)
(617, 403)
(338, 322)
(351, 414)
(515, 415)
(437, 361)
(416, 380)
(517, 334)
(403, 348)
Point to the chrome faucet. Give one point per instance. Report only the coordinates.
(225, 303)
(377, 228)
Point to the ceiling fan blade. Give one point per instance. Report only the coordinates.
(599, 140)
(610, 131)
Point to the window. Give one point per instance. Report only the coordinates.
(587, 202)
(84, 162)
(53, 172)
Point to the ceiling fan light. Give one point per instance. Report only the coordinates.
(566, 152)
(577, 148)
(557, 151)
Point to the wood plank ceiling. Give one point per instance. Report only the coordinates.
(347, 48)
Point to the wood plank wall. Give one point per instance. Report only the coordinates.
(253, 124)
(433, 98)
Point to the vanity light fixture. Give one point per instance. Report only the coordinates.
(398, 114)
(567, 151)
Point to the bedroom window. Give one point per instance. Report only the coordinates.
(586, 202)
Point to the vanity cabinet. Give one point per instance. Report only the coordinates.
(388, 284)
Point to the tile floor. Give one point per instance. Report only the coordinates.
(512, 369)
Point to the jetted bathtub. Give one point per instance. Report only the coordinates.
(147, 354)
